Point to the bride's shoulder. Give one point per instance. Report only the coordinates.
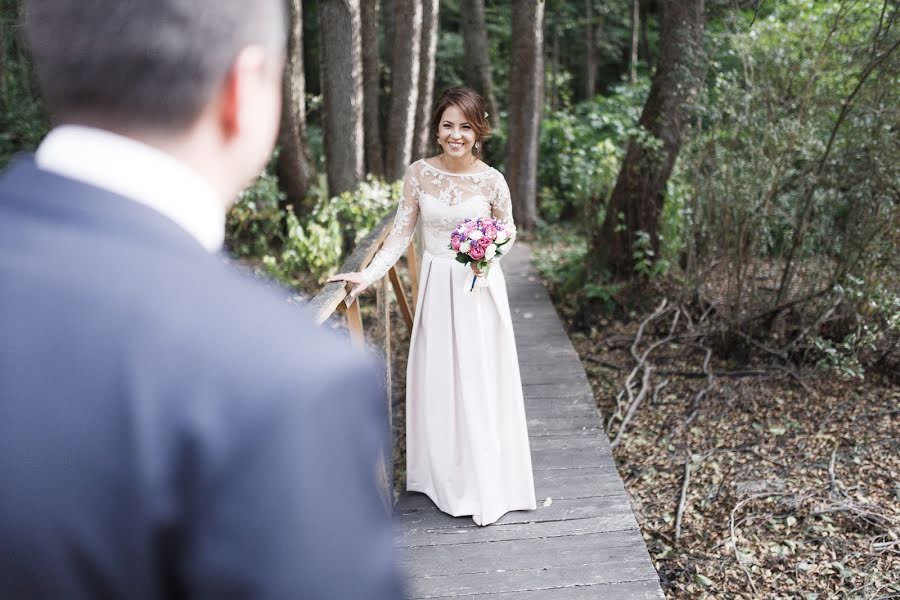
(427, 161)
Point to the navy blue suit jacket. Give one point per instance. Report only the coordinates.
(169, 428)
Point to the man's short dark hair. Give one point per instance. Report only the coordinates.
(143, 63)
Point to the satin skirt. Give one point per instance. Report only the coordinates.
(466, 435)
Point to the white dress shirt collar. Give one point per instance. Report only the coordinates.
(139, 172)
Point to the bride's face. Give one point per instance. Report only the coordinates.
(455, 133)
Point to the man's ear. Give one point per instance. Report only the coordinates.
(239, 88)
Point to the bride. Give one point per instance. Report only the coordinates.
(466, 436)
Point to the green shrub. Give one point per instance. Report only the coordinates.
(23, 119)
(296, 248)
(581, 150)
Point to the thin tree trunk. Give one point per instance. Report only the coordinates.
(637, 198)
(477, 55)
(635, 30)
(295, 167)
(374, 149)
(387, 21)
(590, 54)
(526, 103)
(404, 86)
(3, 52)
(645, 40)
(554, 68)
(427, 51)
(339, 22)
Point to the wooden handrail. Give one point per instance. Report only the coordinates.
(334, 295)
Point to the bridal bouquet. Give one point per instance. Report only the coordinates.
(480, 241)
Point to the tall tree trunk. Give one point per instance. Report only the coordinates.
(404, 86)
(590, 52)
(637, 199)
(374, 150)
(295, 167)
(526, 103)
(387, 21)
(339, 22)
(3, 50)
(554, 68)
(635, 29)
(427, 52)
(643, 8)
(477, 55)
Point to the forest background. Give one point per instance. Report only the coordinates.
(712, 194)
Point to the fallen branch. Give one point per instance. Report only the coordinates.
(832, 485)
(633, 406)
(695, 402)
(701, 375)
(734, 547)
(683, 501)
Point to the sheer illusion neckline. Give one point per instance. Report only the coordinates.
(487, 171)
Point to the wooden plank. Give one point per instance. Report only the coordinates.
(520, 565)
(513, 554)
(564, 509)
(619, 518)
(558, 389)
(586, 483)
(545, 407)
(647, 589)
(578, 424)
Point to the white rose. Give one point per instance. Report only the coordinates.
(465, 246)
(490, 252)
(475, 235)
(501, 237)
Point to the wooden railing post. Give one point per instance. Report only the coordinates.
(412, 264)
(381, 343)
(401, 297)
(354, 324)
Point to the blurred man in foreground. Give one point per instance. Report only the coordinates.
(167, 428)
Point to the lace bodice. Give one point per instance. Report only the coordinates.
(441, 200)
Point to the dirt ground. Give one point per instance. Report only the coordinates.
(793, 484)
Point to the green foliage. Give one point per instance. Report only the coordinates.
(559, 254)
(293, 248)
(791, 172)
(23, 120)
(581, 152)
(876, 329)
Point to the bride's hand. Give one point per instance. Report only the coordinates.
(354, 278)
(478, 272)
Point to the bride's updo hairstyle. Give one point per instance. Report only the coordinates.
(471, 104)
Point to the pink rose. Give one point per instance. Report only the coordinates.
(454, 243)
(485, 241)
(477, 252)
(490, 231)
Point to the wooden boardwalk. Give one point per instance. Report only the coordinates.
(583, 541)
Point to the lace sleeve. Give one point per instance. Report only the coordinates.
(401, 232)
(501, 209)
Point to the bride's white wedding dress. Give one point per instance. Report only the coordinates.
(466, 436)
